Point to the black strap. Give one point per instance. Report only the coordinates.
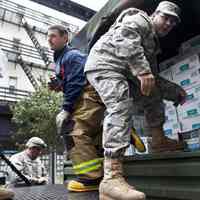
(15, 169)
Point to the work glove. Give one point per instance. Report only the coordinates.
(38, 181)
(61, 121)
(34, 181)
(55, 84)
(42, 180)
(181, 98)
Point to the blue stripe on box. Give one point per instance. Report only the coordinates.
(184, 67)
(196, 126)
(193, 146)
(168, 132)
(185, 82)
(192, 112)
(190, 97)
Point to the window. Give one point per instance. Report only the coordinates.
(16, 43)
(12, 84)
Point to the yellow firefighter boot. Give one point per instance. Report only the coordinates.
(137, 142)
(6, 194)
(114, 186)
(83, 185)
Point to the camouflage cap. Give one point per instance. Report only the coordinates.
(36, 142)
(169, 8)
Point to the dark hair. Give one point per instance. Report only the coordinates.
(61, 29)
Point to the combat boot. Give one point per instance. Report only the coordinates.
(114, 186)
(137, 142)
(161, 143)
(6, 194)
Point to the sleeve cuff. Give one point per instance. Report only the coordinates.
(68, 108)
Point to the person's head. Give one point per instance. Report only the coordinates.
(35, 146)
(57, 37)
(166, 17)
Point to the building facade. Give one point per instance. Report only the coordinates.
(24, 55)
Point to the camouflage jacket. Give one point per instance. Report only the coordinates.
(32, 169)
(130, 44)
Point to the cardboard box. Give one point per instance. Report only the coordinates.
(190, 124)
(170, 112)
(193, 95)
(185, 66)
(189, 110)
(190, 44)
(172, 128)
(130, 151)
(188, 80)
(193, 144)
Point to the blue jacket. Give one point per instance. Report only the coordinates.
(69, 70)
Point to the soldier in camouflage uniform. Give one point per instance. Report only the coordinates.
(120, 67)
(29, 164)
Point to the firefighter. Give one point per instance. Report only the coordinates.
(121, 67)
(82, 110)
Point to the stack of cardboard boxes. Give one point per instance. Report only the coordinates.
(171, 126)
(185, 71)
(184, 120)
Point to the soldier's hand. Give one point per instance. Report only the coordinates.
(183, 96)
(61, 119)
(147, 82)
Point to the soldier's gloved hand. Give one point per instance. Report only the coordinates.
(181, 97)
(61, 119)
(147, 81)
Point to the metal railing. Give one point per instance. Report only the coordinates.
(40, 49)
(19, 10)
(23, 49)
(57, 163)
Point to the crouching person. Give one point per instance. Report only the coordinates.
(29, 164)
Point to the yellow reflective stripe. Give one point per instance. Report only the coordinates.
(89, 169)
(84, 164)
(88, 166)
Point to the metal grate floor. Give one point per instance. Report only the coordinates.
(51, 192)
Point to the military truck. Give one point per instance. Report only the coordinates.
(166, 176)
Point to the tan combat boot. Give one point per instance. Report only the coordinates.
(114, 186)
(6, 194)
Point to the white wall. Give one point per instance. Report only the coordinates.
(10, 31)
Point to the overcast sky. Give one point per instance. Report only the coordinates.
(93, 4)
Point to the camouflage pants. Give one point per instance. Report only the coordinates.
(86, 135)
(152, 106)
(122, 98)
